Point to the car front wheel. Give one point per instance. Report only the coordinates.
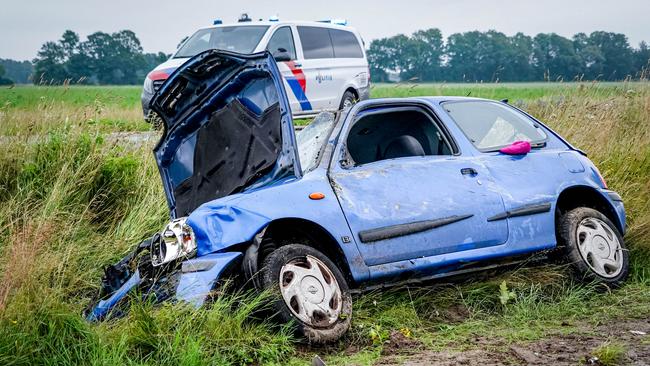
(310, 291)
(593, 246)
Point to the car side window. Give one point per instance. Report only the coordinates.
(345, 44)
(282, 39)
(395, 134)
(316, 42)
(491, 126)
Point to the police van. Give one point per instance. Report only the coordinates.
(323, 63)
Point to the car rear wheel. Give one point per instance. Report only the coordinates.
(348, 100)
(593, 246)
(310, 291)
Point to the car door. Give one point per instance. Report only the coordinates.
(529, 183)
(317, 54)
(414, 206)
(282, 40)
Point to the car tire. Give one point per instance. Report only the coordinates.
(348, 100)
(308, 290)
(593, 246)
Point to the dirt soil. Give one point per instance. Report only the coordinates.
(560, 349)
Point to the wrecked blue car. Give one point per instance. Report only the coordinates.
(390, 191)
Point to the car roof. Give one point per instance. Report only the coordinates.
(431, 99)
(311, 23)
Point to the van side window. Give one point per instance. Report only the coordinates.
(346, 44)
(316, 42)
(395, 134)
(282, 38)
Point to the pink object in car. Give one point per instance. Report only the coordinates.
(517, 148)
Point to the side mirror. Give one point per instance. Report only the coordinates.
(517, 148)
(281, 55)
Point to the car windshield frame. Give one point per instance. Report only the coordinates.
(220, 31)
(312, 140)
(535, 143)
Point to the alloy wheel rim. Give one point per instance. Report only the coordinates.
(599, 247)
(311, 291)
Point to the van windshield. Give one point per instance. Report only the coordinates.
(242, 39)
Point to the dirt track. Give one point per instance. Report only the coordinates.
(560, 349)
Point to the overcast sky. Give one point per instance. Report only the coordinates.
(26, 24)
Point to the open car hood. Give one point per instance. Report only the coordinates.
(228, 128)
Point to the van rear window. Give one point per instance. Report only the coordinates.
(346, 44)
(320, 42)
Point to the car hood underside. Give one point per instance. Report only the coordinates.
(227, 128)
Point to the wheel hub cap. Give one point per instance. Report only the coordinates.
(599, 247)
(311, 291)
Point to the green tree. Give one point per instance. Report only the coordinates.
(422, 55)
(617, 55)
(18, 71)
(386, 55)
(49, 64)
(518, 62)
(480, 56)
(4, 80)
(591, 59)
(642, 60)
(114, 58)
(101, 59)
(554, 58)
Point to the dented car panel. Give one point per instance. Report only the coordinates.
(396, 189)
(199, 276)
(225, 223)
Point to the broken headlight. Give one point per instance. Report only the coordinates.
(175, 241)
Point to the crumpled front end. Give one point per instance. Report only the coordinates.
(162, 268)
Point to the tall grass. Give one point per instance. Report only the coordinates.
(73, 199)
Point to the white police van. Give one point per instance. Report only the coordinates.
(323, 63)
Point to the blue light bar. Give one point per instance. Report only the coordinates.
(217, 22)
(274, 18)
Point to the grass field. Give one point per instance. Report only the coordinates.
(74, 198)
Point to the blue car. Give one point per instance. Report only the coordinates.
(388, 192)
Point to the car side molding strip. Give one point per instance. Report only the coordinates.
(522, 211)
(393, 231)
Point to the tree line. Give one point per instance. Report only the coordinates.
(493, 56)
(101, 58)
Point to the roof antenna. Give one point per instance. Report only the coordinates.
(504, 101)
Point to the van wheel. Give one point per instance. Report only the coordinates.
(310, 291)
(348, 100)
(154, 119)
(593, 246)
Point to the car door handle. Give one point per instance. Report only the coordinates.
(297, 64)
(468, 171)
